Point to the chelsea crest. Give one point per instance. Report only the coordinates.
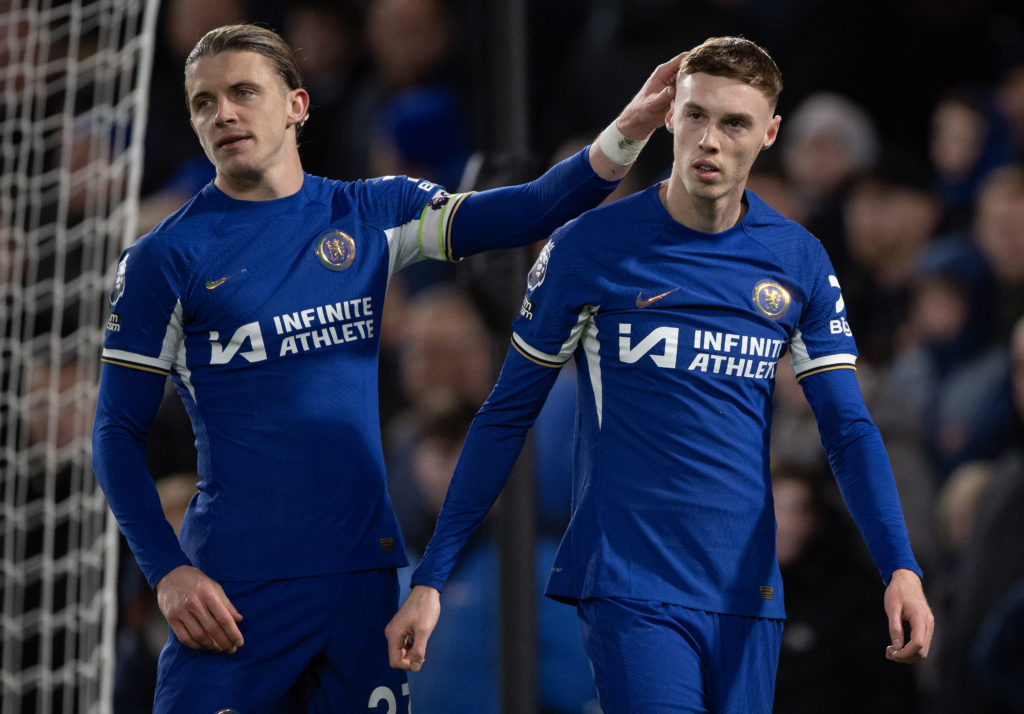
(771, 299)
(336, 250)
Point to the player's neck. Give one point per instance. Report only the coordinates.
(698, 213)
(263, 185)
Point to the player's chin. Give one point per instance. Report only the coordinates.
(706, 188)
(241, 170)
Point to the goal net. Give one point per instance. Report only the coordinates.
(73, 88)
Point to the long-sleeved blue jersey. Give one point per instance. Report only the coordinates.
(676, 335)
(266, 315)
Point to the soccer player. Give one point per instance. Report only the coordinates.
(261, 298)
(677, 303)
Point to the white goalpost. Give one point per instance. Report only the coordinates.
(74, 80)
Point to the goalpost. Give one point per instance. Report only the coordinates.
(74, 80)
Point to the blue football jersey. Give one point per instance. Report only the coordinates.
(677, 335)
(266, 315)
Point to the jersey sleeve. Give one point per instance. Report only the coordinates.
(142, 343)
(415, 215)
(861, 466)
(127, 404)
(492, 445)
(514, 216)
(439, 225)
(145, 326)
(557, 303)
(823, 340)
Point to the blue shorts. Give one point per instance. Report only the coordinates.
(656, 658)
(312, 645)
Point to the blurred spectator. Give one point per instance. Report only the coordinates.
(825, 660)
(999, 233)
(964, 145)
(889, 217)
(419, 472)
(444, 360)
(410, 43)
(422, 132)
(956, 507)
(953, 371)
(331, 54)
(771, 184)
(1010, 103)
(446, 347)
(829, 142)
(991, 563)
(998, 654)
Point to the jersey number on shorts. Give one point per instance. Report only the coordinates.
(385, 694)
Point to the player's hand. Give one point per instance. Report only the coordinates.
(198, 611)
(905, 602)
(411, 627)
(647, 110)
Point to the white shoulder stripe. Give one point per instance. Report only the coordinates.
(172, 349)
(568, 347)
(803, 363)
(592, 350)
(133, 358)
(536, 355)
(824, 363)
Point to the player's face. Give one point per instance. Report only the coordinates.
(719, 126)
(243, 114)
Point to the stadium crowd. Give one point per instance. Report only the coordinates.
(902, 150)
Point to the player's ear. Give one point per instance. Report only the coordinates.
(669, 114)
(773, 132)
(298, 106)
(193, 125)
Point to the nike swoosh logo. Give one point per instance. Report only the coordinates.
(212, 284)
(644, 302)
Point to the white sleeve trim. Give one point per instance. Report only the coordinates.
(804, 364)
(428, 236)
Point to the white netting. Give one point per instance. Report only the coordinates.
(73, 85)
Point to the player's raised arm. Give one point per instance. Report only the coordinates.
(513, 216)
(619, 144)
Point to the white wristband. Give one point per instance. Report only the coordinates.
(619, 148)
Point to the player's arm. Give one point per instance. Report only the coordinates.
(513, 216)
(194, 605)
(862, 469)
(492, 446)
(126, 407)
(616, 148)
